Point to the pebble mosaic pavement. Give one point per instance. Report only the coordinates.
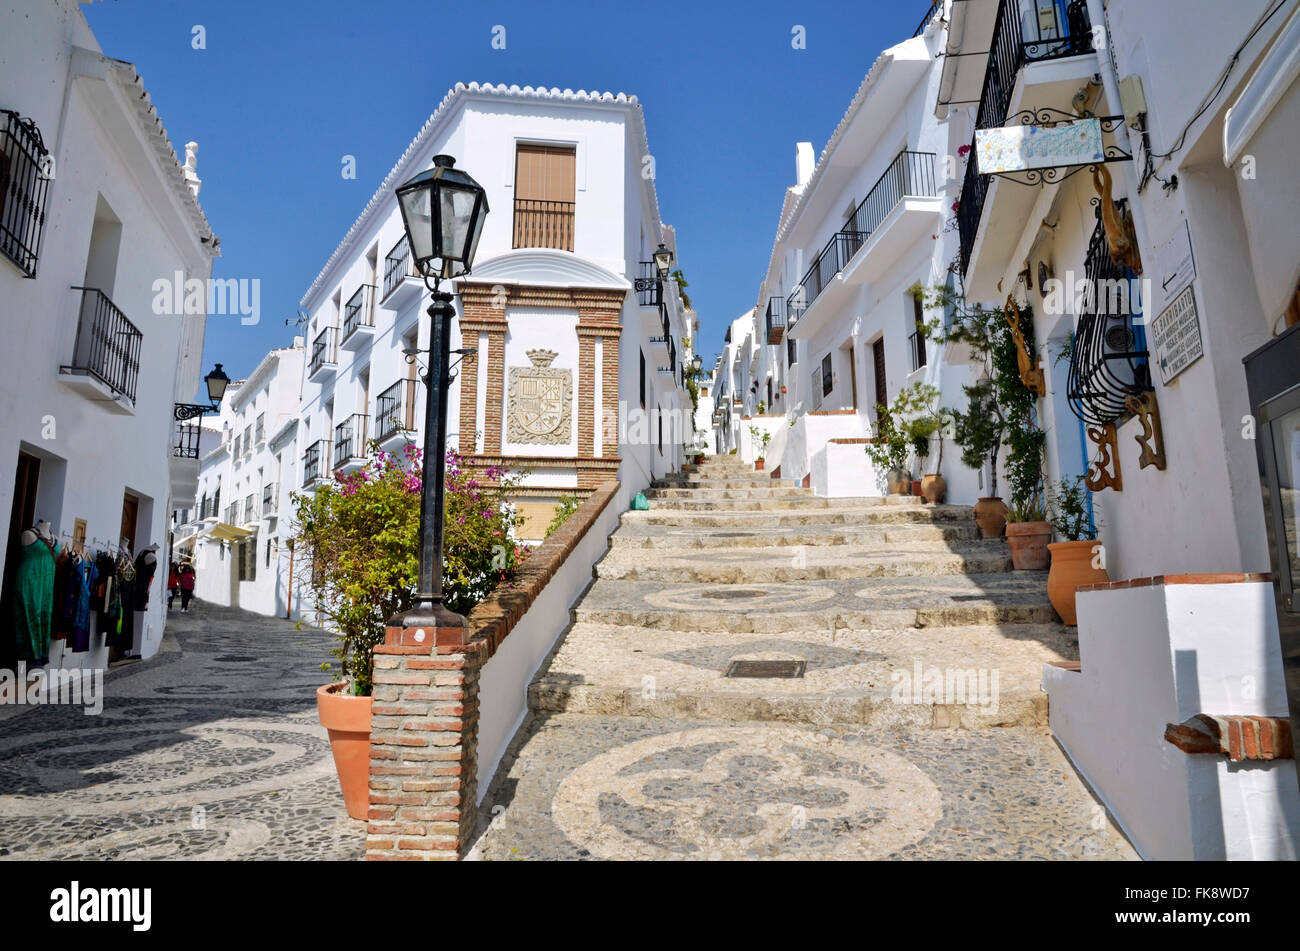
(209, 750)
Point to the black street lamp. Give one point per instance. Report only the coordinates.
(443, 211)
(217, 382)
(663, 261)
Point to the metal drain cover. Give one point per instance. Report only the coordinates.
(788, 669)
(731, 594)
(235, 658)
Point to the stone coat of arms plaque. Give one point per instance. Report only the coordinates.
(540, 405)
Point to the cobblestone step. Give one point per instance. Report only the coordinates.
(864, 603)
(776, 518)
(806, 563)
(970, 678)
(752, 502)
(720, 482)
(636, 535)
(730, 494)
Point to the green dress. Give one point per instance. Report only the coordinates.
(34, 600)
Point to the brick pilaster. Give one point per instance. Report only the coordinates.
(468, 374)
(496, 364)
(586, 392)
(424, 740)
(609, 396)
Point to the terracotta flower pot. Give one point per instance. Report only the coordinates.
(899, 480)
(1028, 544)
(991, 516)
(934, 488)
(758, 465)
(916, 487)
(347, 719)
(1071, 567)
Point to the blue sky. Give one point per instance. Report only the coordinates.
(285, 89)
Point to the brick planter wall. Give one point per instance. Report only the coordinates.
(424, 716)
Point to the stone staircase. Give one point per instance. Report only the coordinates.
(903, 617)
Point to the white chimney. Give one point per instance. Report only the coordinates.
(804, 163)
(191, 176)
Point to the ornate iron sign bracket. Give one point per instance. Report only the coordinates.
(1048, 116)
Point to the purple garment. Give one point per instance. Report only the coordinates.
(83, 580)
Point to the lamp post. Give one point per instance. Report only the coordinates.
(443, 210)
(187, 440)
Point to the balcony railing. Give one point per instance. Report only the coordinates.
(543, 224)
(350, 439)
(936, 8)
(325, 349)
(108, 345)
(775, 319)
(269, 492)
(911, 173)
(232, 514)
(359, 311)
(24, 182)
(916, 346)
(1047, 37)
(398, 266)
(649, 288)
(313, 461)
(250, 509)
(395, 409)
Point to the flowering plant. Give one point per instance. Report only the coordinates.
(359, 536)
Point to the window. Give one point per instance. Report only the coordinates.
(261, 427)
(545, 189)
(828, 376)
(917, 339)
(817, 388)
(268, 553)
(643, 379)
(25, 170)
(790, 356)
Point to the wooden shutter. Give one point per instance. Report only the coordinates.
(545, 191)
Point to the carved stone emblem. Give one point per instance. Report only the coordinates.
(540, 403)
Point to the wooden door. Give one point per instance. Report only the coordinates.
(130, 507)
(878, 359)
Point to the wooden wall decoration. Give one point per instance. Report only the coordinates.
(1104, 472)
(1121, 235)
(1152, 440)
(1031, 368)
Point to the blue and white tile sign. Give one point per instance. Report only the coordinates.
(1019, 148)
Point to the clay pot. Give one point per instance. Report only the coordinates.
(758, 465)
(1071, 567)
(991, 516)
(899, 480)
(934, 488)
(1028, 544)
(347, 719)
(916, 487)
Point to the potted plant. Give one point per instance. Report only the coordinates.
(1001, 411)
(360, 537)
(1076, 560)
(888, 451)
(761, 438)
(1028, 533)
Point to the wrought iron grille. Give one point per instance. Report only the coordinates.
(936, 8)
(24, 184)
(649, 288)
(910, 173)
(350, 439)
(775, 319)
(268, 497)
(540, 223)
(107, 346)
(359, 311)
(324, 349)
(312, 460)
(188, 431)
(398, 266)
(1047, 37)
(1109, 361)
(395, 409)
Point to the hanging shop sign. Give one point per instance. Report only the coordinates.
(1176, 336)
(1019, 148)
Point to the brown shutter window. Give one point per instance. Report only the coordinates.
(545, 191)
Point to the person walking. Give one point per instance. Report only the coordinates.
(173, 584)
(187, 586)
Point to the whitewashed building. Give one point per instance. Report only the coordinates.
(573, 223)
(95, 209)
(734, 401)
(234, 537)
(838, 326)
(1152, 274)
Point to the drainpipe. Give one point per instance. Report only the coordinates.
(1110, 84)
